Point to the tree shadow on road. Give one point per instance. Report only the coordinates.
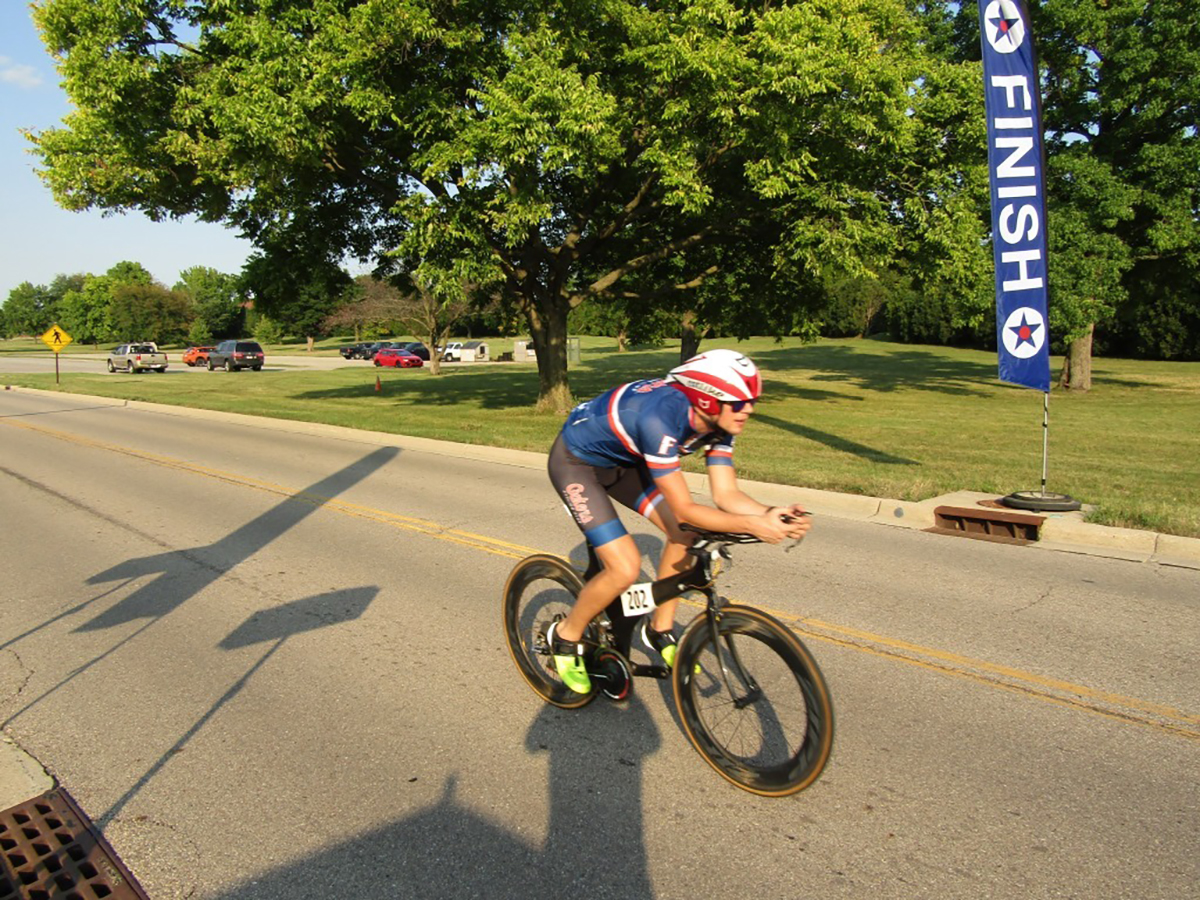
(179, 575)
(182, 574)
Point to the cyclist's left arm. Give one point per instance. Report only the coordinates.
(722, 482)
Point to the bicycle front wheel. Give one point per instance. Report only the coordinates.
(540, 589)
(754, 702)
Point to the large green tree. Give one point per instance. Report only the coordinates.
(25, 310)
(150, 312)
(561, 153)
(296, 290)
(86, 308)
(217, 299)
(31, 309)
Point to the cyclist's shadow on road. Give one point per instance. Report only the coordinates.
(594, 845)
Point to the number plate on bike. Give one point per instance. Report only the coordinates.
(638, 600)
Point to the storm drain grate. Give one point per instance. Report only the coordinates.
(987, 524)
(49, 850)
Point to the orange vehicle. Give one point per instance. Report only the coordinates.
(196, 356)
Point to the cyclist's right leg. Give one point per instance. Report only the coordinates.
(584, 490)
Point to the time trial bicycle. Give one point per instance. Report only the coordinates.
(751, 697)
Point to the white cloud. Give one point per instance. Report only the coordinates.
(22, 76)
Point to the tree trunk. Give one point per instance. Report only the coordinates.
(435, 358)
(621, 341)
(689, 339)
(1077, 366)
(548, 329)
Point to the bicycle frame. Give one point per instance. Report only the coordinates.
(701, 578)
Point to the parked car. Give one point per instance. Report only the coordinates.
(235, 355)
(137, 358)
(452, 352)
(353, 351)
(369, 350)
(416, 348)
(196, 356)
(398, 358)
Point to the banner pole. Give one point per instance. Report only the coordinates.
(1045, 438)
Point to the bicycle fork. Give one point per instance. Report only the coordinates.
(753, 692)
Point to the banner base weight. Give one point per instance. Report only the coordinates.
(1041, 501)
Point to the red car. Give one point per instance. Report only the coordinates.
(398, 359)
(196, 356)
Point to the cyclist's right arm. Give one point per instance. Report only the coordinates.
(766, 526)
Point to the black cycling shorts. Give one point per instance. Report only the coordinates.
(586, 491)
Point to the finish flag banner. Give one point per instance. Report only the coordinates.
(1014, 129)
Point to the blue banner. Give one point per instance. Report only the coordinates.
(1015, 168)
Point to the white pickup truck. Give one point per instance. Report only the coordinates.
(137, 358)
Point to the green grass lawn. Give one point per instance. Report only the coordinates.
(867, 417)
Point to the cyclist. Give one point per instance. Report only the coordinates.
(625, 445)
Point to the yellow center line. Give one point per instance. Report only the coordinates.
(1075, 696)
(408, 523)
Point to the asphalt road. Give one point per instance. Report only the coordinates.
(269, 664)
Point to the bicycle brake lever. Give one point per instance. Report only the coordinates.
(796, 543)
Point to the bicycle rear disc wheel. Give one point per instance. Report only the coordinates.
(754, 703)
(540, 589)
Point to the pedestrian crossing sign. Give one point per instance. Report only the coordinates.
(56, 338)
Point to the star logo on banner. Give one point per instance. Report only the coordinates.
(1024, 332)
(1004, 26)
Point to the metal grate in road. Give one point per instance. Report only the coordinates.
(50, 850)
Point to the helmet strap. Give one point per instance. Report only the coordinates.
(702, 421)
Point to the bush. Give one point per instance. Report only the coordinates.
(266, 331)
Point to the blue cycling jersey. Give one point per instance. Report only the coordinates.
(642, 423)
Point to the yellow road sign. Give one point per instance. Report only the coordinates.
(56, 338)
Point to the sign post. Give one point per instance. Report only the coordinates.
(56, 339)
(1016, 172)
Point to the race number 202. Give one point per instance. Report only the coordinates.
(638, 600)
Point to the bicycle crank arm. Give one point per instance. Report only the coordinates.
(651, 671)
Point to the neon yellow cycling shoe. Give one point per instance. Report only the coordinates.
(661, 642)
(568, 661)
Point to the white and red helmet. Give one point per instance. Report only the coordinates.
(715, 376)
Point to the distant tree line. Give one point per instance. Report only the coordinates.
(205, 305)
(685, 168)
(125, 304)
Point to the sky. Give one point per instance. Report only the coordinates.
(38, 240)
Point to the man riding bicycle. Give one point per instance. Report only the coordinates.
(626, 445)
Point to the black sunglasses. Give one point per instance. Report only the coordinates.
(738, 405)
